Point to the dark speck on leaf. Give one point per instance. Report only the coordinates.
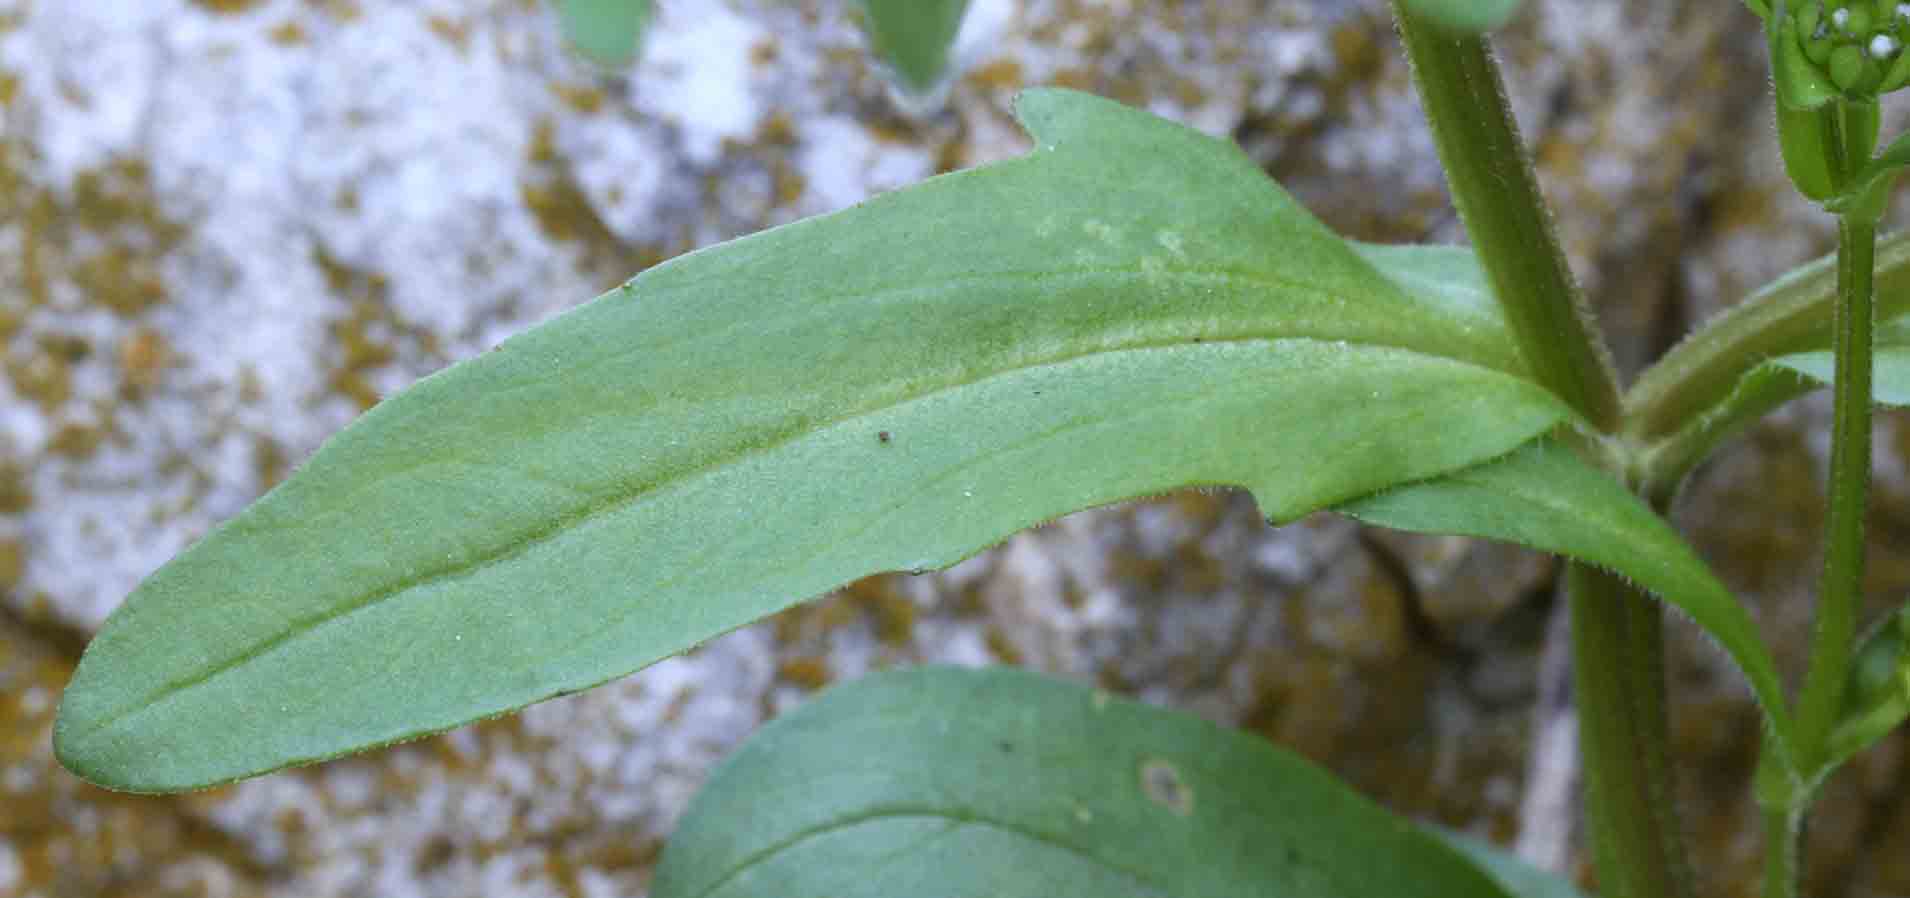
(1006, 746)
(883, 436)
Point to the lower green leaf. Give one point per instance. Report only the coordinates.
(1511, 872)
(1543, 496)
(946, 783)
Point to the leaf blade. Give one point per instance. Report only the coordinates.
(1542, 496)
(1511, 872)
(891, 388)
(1050, 790)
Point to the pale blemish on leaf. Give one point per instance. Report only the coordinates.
(1100, 230)
(1171, 241)
(1161, 782)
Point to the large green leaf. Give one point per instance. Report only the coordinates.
(607, 31)
(1464, 15)
(945, 783)
(1511, 872)
(1544, 497)
(1130, 308)
(913, 38)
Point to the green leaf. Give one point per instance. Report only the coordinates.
(1544, 497)
(1464, 15)
(1512, 874)
(607, 31)
(1129, 309)
(943, 782)
(913, 37)
(1877, 694)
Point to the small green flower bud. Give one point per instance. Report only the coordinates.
(1854, 47)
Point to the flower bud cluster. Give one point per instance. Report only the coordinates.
(1858, 45)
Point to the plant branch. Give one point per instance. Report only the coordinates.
(1840, 594)
(1791, 314)
(1498, 198)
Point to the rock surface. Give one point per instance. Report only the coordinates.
(227, 226)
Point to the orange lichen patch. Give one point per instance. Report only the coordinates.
(227, 7)
(543, 146)
(1002, 74)
(764, 52)
(288, 34)
(455, 32)
(361, 354)
(15, 494)
(786, 182)
(1360, 56)
(367, 337)
(891, 612)
(1075, 79)
(73, 839)
(13, 563)
(584, 98)
(777, 129)
(12, 316)
(76, 440)
(268, 462)
(564, 213)
(113, 212)
(41, 377)
(122, 279)
(1001, 646)
(144, 357)
(342, 10)
(810, 672)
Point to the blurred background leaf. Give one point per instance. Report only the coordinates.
(609, 32)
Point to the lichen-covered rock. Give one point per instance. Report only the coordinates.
(226, 226)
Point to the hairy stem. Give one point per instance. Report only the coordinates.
(1618, 680)
(1840, 593)
(1498, 199)
(1781, 837)
(1617, 644)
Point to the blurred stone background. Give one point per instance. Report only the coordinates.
(227, 226)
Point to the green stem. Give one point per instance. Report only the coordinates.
(1618, 684)
(1617, 646)
(1498, 199)
(1840, 594)
(1781, 833)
